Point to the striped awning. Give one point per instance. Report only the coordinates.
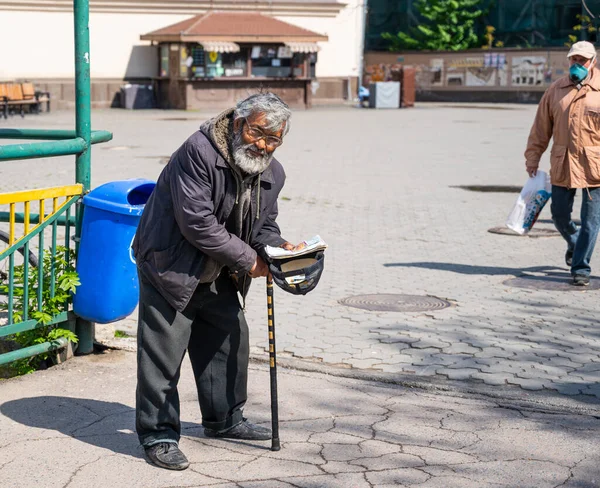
(220, 46)
(303, 47)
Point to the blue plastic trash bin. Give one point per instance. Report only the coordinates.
(105, 263)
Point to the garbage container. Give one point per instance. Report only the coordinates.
(105, 262)
(384, 94)
(135, 96)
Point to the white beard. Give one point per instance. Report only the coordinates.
(249, 164)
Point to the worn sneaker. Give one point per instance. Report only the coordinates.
(581, 280)
(569, 258)
(244, 430)
(166, 455)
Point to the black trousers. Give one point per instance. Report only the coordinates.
(214, 332)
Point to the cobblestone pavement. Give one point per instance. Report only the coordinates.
(381, 188)
(335, 433)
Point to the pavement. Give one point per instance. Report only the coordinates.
(516, 356)
(71, 426)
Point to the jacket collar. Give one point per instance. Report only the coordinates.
(218, 131)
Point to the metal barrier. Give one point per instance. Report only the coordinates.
(66, 213)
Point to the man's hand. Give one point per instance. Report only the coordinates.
(259, 269)
(531, 170)
(288, 246)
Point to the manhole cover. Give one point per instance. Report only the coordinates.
(535, 232)
(395, 303)
(490, 188)
(550, 282)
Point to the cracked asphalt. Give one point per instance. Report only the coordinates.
(71, 426)
(517, 353)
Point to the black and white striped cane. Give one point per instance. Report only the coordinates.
(275, 445)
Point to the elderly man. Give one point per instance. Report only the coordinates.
(199, 243)
(570, 113)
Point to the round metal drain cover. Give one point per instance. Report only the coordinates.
(395, 303)
(550, 282)
(535, 232)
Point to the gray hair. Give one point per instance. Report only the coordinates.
(276, 111)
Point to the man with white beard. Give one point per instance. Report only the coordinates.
(198, 244)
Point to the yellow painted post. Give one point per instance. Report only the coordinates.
(42, 210)
(11, 231)
(26, 220)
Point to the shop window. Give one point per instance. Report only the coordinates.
(183, 62)
(272, 61)
(235, 64)
(197, 62)
(164, 60)
(312, 65)
(217, 65)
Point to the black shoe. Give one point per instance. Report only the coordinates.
(581, 280)
(569, 258)
(244, 430)
(166, 455)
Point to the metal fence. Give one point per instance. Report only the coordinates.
(29, 263)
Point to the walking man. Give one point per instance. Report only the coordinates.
(569, 112)
(198, 244)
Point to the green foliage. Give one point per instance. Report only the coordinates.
(451, 26)
(66, 281)
(585, 26)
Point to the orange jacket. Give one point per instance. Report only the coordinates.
(572, 118)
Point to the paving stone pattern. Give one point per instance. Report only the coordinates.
(379, 187)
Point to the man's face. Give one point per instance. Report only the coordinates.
(256, 135)
(254, 144)
(585, 62)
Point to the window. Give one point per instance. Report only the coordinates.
(197, 68)
(217, 65)
(164, 60)
(183, 62)
(275, 61)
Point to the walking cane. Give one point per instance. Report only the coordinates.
(275, 446)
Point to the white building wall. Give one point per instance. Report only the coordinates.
(40, 44)
(340, 56)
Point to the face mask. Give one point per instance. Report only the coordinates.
(578, 73)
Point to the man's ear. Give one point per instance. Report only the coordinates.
(237, 124)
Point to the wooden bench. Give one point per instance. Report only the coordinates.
(14, 97)
(40, 96)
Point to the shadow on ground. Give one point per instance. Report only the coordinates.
(102, 424)
(469, 269)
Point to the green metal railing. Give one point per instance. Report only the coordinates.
(57, 143)
(30, 295)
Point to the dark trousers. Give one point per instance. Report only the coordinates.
(580, 240)
(214, 332)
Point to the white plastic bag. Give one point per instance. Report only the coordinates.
(529, 204)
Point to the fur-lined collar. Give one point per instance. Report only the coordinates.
(219, 131)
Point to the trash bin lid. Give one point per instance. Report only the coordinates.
(124, 197)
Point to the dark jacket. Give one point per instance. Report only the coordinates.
(182, 231)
